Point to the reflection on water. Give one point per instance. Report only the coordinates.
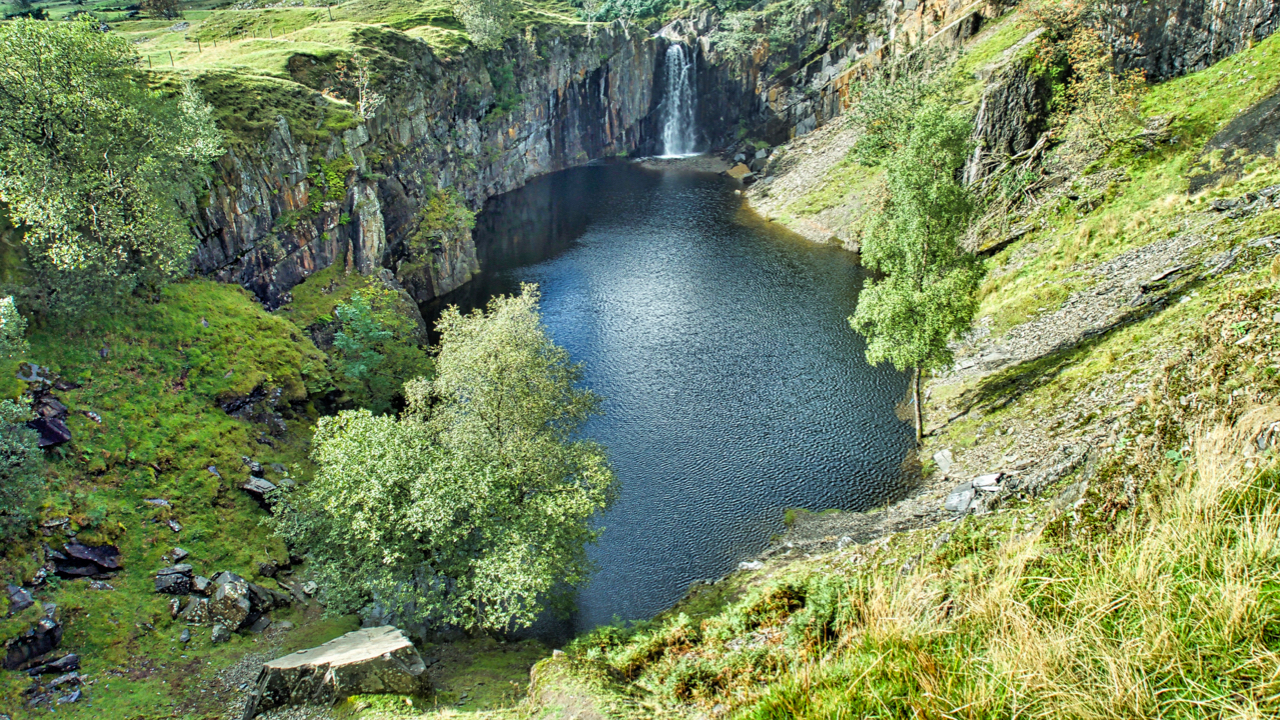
(734, 387)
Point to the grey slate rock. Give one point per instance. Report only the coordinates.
(19, 599)
(62, 665)
(960, 499)
(368, 661)
(231, 605)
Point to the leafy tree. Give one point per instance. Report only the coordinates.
(377, 348)
(473, 507)
(19, 469)
(927, 296)
(1104, 105)
(488, 22)
(162, 8)
(94, 163)
(13, 330)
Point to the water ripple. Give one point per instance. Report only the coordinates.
(734, 387)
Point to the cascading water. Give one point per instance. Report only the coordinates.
(679, 135)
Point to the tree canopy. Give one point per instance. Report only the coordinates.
(927, 296)
(19, 469)
(474, 506)
(488, 22)
(93, 162)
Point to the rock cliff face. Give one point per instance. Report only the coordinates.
(270, 223)
(272, 218)
(1168, 38)
(485, 123)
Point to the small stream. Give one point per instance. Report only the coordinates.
(734, 387)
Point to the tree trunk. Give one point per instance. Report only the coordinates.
(919, 411)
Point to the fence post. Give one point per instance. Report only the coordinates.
(171, 62)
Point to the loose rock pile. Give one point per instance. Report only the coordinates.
(227, 602)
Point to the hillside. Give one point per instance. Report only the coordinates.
(1093, 529)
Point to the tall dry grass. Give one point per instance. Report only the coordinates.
(1174, 614)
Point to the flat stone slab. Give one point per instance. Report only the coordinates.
(366, 661)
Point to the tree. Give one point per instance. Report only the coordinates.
(488, 22)
(357, 76)
(93, 163)
(475, 505)
(162, 8)
(19, 469)
(927, 296)
(13, 330)
(377, 348)
(1104, 106)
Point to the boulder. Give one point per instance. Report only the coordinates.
(960, 499)
(219, 634)
(39, 639)
(80, 560)
(52, 431)
(367, 661)
(106, 557)
(196, 612)
(943, 460)
(49, 406)
(201, 585)
(62, 665)
(231, 605)
(739, 171)
(988, 483)
(258, 487)
(174, 580)
(19, 599)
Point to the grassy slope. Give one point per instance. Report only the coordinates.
(255, 64)
(156, 392)
(1156, 597)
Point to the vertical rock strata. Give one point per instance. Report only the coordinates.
(581, 95)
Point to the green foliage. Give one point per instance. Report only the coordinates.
(13, 330)
(476, 504)
(376, 353)
(506, 91)
(94, 163)
(488, 22)
(20, 481)
(154, 372)
(928, 295)
(1102, 103)
(444, 215)
(330, 181)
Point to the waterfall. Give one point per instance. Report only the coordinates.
(679, 135)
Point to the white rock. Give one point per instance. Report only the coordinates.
(989, 483)
(943, 460)
(367, 661)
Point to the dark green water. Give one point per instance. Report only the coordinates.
(734, 387)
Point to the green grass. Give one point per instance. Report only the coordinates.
(985, 49)
(1148, 203)
(845, 183)
(157, 393)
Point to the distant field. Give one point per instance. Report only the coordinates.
(240, 53)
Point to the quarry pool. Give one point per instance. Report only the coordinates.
(734, 387)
